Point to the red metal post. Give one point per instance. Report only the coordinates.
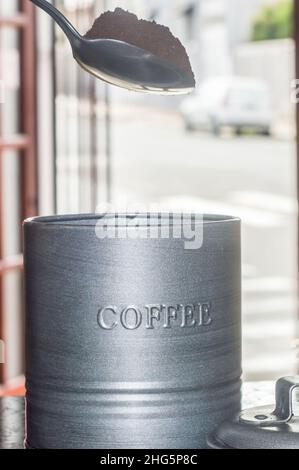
(28, 111)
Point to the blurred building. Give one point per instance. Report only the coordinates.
(217, 35)
(210, 29)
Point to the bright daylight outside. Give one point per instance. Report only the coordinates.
(229, 148)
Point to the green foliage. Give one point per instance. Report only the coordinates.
(274, 21)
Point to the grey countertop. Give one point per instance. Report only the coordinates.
(12, 414)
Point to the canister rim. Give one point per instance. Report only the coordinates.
(90, 220)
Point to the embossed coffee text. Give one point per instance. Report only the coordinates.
(153, 316)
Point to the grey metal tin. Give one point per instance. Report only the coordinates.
(130, 343)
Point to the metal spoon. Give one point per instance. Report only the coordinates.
(120, 63)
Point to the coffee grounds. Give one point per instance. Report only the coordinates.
(149, 35)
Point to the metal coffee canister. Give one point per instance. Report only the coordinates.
(132, 341)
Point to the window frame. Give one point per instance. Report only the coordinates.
(25, 143)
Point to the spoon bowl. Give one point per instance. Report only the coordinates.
(120, 63)
(130, 67)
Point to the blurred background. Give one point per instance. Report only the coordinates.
(69, 142)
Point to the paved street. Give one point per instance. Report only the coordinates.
(155, 160)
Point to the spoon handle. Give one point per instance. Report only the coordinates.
(60, 19)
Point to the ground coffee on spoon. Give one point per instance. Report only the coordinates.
(149, 35)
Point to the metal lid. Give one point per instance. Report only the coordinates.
(262, 428)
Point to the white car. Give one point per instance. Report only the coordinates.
(237, 102)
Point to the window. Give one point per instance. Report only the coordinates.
(210, 153)
(18, 194)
